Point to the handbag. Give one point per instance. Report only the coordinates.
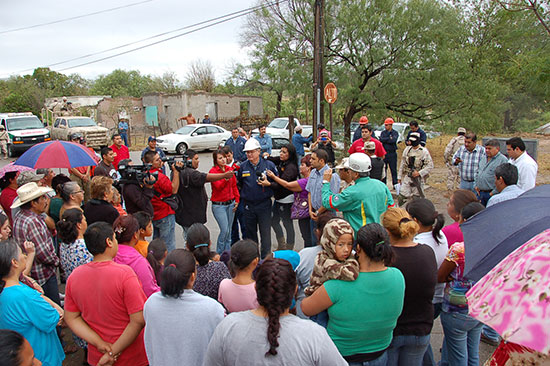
(173, 200)
(299, 209)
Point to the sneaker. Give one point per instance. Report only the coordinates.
(488, 340)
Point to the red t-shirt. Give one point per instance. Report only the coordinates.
(121, 154)
(106, 293)
(163, 186)
(359, 146)
(224, 190)
(7, 197)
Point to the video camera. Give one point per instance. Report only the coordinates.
(136, 173)
(184, 159)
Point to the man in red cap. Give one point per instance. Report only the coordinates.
(389, 138)
(357, 134)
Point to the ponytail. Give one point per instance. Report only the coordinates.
(439, 223)
(424, 211)
(198, 243)
(155, 253)
(8, 251)
(178, 269)
(275, 287)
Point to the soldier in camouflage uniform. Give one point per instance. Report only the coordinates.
(453, 179)
(416, 165)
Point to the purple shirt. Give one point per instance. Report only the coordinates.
(131, 257)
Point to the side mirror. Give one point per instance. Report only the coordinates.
(194, 134)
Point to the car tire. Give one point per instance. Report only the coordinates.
(181, 148)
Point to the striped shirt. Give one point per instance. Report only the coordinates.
(470, 161)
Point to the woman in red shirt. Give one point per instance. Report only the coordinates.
(225, 199)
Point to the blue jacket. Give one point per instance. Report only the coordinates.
(265, 143)
(356, 134)
(298, 141)
(247, 179)
(423, 136)
(389, 140)
(237, 148)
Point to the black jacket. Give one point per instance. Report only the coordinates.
(137, 198)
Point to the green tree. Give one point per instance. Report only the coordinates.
(122, 83)
(167, 83)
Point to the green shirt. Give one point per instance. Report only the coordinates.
(361, 203)
(365, 311)
(55, 207)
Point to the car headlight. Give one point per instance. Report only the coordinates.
(17, 139)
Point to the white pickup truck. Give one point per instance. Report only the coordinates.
(278, 128)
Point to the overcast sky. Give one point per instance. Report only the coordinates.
(45, 45)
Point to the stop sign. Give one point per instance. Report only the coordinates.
(331, 93)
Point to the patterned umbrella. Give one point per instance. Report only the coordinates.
(11, 167)
(514, 297)
(56, 154)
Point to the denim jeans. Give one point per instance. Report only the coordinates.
(380, 361)
(464, 184)
(313, 228)
(483, 197)
(490, 333)
(461, 342)
(281, 212)
(390, 160)
(165, 229)
(429, 359)
(257, 215)
(124, 136)
(407, 350)
(305, 231)
(51, 289)
(238, 220)
(224, 217)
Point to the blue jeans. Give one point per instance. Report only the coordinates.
(429, 359)
(321, 318)
(124, 136)
(390, 160)
(380, 361)
(238, 220)
(464, 184)
(461, 342)
(407, 350)
(257, 215)
(281, 212)
(165, 229)
(313, 228)
(224, 217)
(490, 333)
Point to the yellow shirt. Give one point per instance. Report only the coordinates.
(142, 247)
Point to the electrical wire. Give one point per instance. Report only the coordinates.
(73, 18)
(216, 21)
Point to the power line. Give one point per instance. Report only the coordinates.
(148, 38)
(73, 18)
(238, 15)
(217, 20)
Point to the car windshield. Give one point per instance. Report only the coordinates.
(399, 128)
(185, 130)
(278, 123)
(81, 122)
(24, 123)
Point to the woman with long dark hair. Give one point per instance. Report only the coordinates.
(72, 249)
(171, 313)
(287, 167)
(290, 340)
(364, 312)
(225, 199)
(25, 310)
(209, 273)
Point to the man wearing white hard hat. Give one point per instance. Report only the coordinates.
(29, 226)
(256, 195)
(363, 202)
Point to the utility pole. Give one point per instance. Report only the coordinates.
(318, 82)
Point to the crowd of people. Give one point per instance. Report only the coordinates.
(365, 290)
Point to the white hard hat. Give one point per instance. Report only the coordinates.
(360, 163)
(252, 144)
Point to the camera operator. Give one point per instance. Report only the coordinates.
(192, 193)
(138, 194)
(164, 218)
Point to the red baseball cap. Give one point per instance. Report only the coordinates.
(363, 120)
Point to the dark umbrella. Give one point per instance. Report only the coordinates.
(498, 230)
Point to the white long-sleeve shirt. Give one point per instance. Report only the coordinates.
(527, 171)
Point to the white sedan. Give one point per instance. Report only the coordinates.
(197, 137)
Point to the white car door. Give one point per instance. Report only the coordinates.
(199, 138)
(215, 136)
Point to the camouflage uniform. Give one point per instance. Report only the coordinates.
(423, 163)
(453, 179)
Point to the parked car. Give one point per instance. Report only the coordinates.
(197, 137)
(279, 142)
(24, 130)
(402, 128)
(96, 136)
(279, 128)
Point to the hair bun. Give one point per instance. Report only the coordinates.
(235, 257)
(404, 220)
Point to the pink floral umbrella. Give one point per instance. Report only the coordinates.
(11, 167)
(514, 297)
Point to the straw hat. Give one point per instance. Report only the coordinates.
(29, 192)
